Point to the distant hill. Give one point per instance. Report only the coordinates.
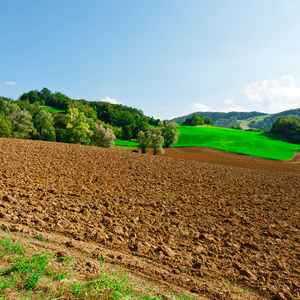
(247, 120)
(222, 119)
(266, 123)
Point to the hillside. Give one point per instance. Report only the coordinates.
(266, 124)
(125, 121)
(222, 119)
(259, 144)
(247, 120)
(218, 230)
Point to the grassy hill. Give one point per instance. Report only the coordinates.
(248, 123)
(260, 144)
(222, 119)
(246, 120)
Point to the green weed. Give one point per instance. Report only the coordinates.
(42, 238)
(10, 247)
(28, 269)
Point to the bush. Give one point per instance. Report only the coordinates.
(5, 128)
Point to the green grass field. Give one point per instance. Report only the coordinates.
(51, 109)
(260, 144)
(126, 144)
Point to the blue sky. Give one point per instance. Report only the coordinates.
(166, 57)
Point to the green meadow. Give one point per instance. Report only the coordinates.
(259, 144)
(51, 109)
(126, 144)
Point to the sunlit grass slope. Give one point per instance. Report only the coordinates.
(51, 109)
(260, 144)
(126, 144)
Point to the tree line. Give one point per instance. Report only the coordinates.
(25, 121)
(125, 121)
(81, 122)
(156, 137)
(196, 120)
(288, 128)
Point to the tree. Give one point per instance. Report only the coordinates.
(287, 127)
(78, 130)
(44, 124)
(45, 91)
(127, 132)
(60, 126)
(194, 120)
(5, 127)
(2, 105)
(171, 133)
(198, 120)
(208, 121)
(155, 140)
(143, 141)
(23, 127)
(104, 137)
(11, 111)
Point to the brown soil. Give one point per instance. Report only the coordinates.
(222, 227)
(224, 158)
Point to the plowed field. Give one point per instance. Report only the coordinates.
(222, 227)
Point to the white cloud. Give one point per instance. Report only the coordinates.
(12, 83)
(200, 107)
(110, 100)
(232, 106)
(274, 95)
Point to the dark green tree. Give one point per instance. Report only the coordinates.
(44, 124)
(143, 141)
(127, 132)
(194, 120)
(288, 128)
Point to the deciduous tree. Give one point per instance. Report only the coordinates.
(155, 140)
(5, 127)
(44, 123)
(170, 133)
(78, 130)
(143, 141)
(104, 137)
(23, 127)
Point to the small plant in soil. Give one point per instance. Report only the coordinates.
(42, 238)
